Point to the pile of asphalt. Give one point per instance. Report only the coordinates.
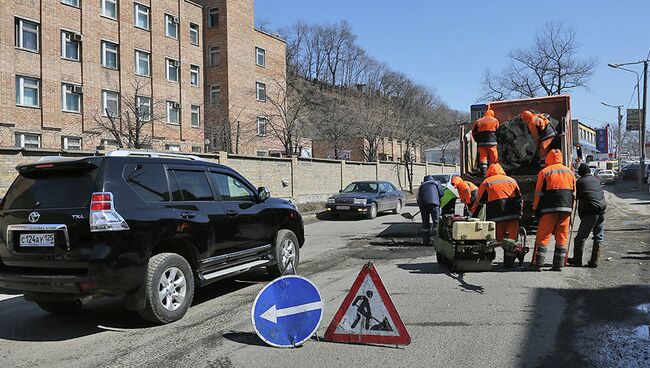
(517, 149)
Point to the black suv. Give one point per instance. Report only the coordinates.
(149, 227)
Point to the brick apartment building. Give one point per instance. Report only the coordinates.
(390, 150)
(244, 72)
(75, 62)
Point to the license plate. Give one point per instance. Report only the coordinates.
(342, 207)
(37, 240)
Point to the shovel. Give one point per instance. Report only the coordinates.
(408, 216)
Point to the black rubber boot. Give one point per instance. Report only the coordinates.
(539, 257)
(508, 259)
(595, 255)
(558, 258)
(426, 238)
(483, 170)
(576, 261)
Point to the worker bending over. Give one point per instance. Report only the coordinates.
(502, 197)
(542, 131)
(467, 191)
(429, 194)
(484, 132)
(554, 197)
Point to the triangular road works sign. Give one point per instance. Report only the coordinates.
(367, 315)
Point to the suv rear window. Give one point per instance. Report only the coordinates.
(51, 189)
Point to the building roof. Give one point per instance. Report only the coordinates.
(455, 144)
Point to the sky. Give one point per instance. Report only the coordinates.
(449, 44)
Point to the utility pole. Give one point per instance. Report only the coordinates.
(618, 133)
(642, 124)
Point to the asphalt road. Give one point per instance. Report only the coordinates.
(580, 317)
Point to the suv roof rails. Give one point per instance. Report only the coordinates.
(58, 159)
(136, 153)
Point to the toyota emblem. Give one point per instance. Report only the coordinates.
(33, 217)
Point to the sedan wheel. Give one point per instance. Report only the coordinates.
(372, 212)
(398, 207)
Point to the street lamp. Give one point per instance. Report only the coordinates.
(642, 113)
(618, 134)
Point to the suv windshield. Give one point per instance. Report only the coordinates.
(361, 188)
(51, 189)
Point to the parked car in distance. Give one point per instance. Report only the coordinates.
(367, 198)
(148, 227)
(606, 176)
(630, 172)
(445, 179)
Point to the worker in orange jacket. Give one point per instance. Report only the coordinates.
(554, 198)
(502, 197)
(467, 191)
(484, 132)
(542, 131)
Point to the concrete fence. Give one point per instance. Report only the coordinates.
(303, 180)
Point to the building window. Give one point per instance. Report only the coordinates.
(71, 143)
(143, 108)
(213, 16)
(70, 45)
(215, 95)
(74, 3)
(194, 34)
(173, 112)
(260, 56)
(109, 55)
(109, 8)
(214, 55)
(71, 97)
(262, 153)
(197, 149)
(171, 26)
(142, 63)
(194, 75)
(196, 116)
(110, 104)
(141, 15)
(28, 91)
(173, 147)
(262, 124)
(172, 70)
(25, 140)
(260, 91)
(27, 34)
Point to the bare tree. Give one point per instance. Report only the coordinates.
(550, 67)
(373, 114)
(332, 120)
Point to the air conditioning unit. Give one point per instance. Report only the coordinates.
(77, 37)
(176, 105)
(177, 20)
(77, 89)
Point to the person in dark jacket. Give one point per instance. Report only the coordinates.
(591, 209)
(429, 195)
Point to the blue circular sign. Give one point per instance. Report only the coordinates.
(287, 311)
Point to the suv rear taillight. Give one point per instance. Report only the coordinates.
(103, 216)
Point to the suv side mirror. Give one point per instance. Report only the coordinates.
(263, 193)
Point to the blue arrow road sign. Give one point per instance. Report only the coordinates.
(288, 311)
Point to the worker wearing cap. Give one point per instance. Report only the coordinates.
(484, 133)
(430, 194)
(502, 197)
(467, 191)
(554, 197)
(542, 131)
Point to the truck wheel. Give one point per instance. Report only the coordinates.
(398, 207)
(169, 290)
(286, 251)
(59, 307)
(372, 212)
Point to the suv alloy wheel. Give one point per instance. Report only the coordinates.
(287, 253)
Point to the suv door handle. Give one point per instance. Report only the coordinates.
(188, 215)
(232, 213)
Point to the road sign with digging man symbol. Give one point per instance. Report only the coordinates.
(367, 315)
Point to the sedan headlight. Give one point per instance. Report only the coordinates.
(331, 200)
(361, 201)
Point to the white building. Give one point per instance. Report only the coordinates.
(448, 153)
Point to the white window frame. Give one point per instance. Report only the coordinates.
(172, 147)
(195, 71)
(22, 141)
(141, 9)
(143, 101)
(195, 30)
(262, 153)
(66, 89)
(65, 143)
(260, 86)
(214, 55)
(138, 53)
(73, 3)
(260, 52)
(262, 126)
(105, 51)
(20, 24)
(212, 11)
(103, 10)
(66, 37)
(169, 20)
(169, 63)
(105, 99)
(215, 89)
(195, 111)
(20, 90)
(169, 109)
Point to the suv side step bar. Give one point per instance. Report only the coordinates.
(238, 268)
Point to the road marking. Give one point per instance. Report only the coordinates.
(7, 297)
(272, 313)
